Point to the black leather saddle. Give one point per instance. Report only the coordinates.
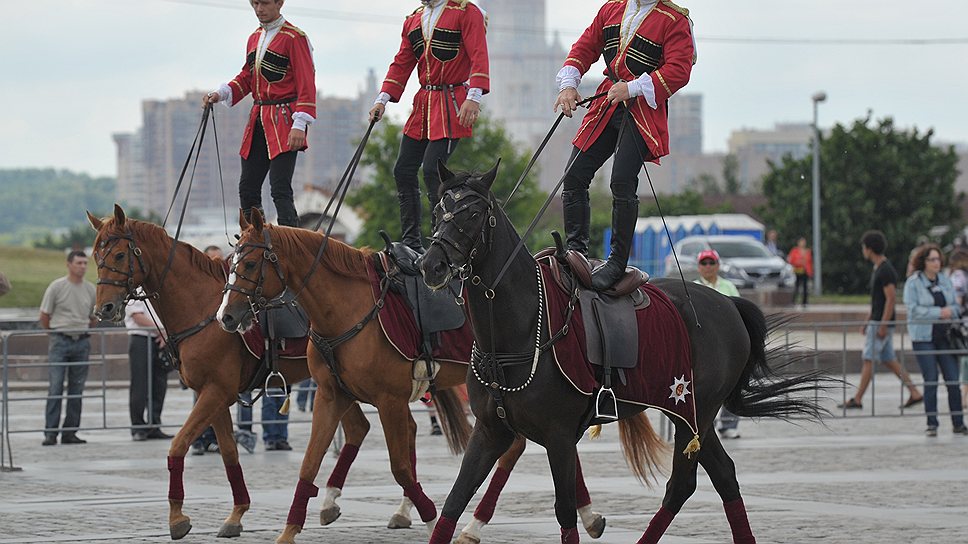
(434, 311)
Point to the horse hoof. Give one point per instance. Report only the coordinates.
(230, 530)
(597, 527)
(180, 529)
(398, 522)
(329, 515)
(465, 538)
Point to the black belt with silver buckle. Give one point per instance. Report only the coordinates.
(443, 87)
(279, 102)
(74, 337)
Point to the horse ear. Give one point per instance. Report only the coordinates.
(243, 222)
(95, 222)
(445, 174)
(258, 222)
(490, 176)
(119, 217)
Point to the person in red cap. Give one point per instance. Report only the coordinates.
(649, 50)
(445, 41)
(280, 74)
(709, 274)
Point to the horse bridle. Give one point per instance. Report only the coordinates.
(105, 250)
(464, 198)
(256, 296)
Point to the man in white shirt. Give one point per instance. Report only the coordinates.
(149, 371)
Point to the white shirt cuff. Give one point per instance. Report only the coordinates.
(475, 94)
(383, 98)
(644, 87)
(568, 78)
(301, 120)
(225, 95)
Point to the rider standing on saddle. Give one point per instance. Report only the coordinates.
(444, 40)
(279, 73)
(650, 50)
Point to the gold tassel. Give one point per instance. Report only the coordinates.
(595, 432)
(693, 446)
(284, 411)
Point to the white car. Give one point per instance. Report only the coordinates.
(744, 261)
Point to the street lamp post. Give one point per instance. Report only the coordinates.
(818, 97)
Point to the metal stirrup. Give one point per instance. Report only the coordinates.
(607, 393)
(268, 391)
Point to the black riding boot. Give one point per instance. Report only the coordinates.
(624, 215)
(577, 213)
(286, 212)
(410, 221)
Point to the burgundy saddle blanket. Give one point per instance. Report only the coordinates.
(292, 348)
(663, 377)
(401, 329)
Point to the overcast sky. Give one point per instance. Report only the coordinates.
(77, 70)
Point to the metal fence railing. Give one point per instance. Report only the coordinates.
(834, 347)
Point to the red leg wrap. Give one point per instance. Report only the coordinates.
(581, 492)
(569, 536)
(346, 457)
(176, 470)
(657, 527)
(239, 492)
(485, 510)
(425, 506)
(297, 512)
(738, 522)
(443, 531)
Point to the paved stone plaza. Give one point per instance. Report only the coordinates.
(857, 480)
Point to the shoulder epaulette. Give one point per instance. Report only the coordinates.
(294, 28)
(416, 11)
(674, 7)
(458, 4)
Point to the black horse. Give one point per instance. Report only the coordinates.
(726, 338)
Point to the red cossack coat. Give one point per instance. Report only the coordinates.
(662, 47)
(286, 71)
(454, 54)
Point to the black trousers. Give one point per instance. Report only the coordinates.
(146, 399)
(801, 287)
(631, 150)
(280, 170)
(417, 153)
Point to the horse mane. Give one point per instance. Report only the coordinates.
(152, 233)
(339, 257)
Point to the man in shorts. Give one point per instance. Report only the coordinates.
(879, 331)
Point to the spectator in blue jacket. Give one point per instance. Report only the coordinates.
(930, 297)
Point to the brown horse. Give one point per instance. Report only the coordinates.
(132, 254)
(370, 369)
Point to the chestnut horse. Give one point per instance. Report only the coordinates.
(730, 365)
(217, 366)
(337, 298)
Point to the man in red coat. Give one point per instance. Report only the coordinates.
(444, 40)
(649, 48)
(279, 73)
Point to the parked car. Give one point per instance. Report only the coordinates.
(744, 261)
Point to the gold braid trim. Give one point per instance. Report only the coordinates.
(680, 9)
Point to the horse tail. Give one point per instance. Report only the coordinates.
(453, 420)
(763, 390)
(645, 451)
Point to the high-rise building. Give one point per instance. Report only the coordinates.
(151, 159)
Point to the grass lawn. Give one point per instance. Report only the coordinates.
(30, 272)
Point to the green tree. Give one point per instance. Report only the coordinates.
(82, 235)
(873, 176)
(731, 183)
(376, 200)
(38, 201)
(704, 183)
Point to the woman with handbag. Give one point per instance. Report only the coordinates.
(930, 296)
